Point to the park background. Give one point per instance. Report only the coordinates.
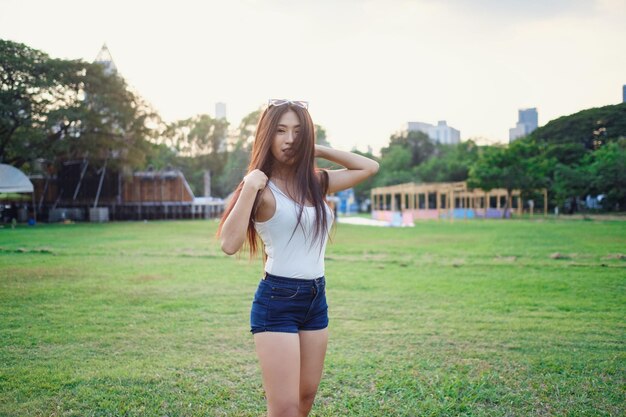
(452, 317)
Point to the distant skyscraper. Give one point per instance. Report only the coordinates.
(528, 121)
(442, 133)
(624, 93)
(220, 110)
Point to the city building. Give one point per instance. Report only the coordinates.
(624, 93)
(220, 110)
(527, 122)
(441, 133)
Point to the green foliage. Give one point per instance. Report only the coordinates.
(320, 139)
(450, 163)
(247, 128)
(235, 169)
(590, 128)
(417, 144)
(395, 167)
(362, 190)
(200, 144)
(581, 155)
(403, 153)
(320, 136)
(197, 135)
(238, 158)
(569, 181)
(516, 167)
(160, 156)
(608, 172)
(413, 157)
(571, 156)
(55, 110)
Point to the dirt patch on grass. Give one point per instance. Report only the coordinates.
(620, 256)
(501, 258)
(150, 277)
(456, 263)
(44, 250)
(40, 272)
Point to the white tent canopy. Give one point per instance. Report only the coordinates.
(12, 180)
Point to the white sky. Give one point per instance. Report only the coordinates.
(366, 67)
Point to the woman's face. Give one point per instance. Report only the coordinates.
(286, 135)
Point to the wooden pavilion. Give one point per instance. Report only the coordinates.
(444, 200)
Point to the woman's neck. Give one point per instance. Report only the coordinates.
(286, 181)
(283, 175)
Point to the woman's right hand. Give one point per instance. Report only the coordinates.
(256, 180)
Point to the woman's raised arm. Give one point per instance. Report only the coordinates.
(357, 168)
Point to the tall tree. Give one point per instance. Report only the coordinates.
(57, 109)
(395, 167)
(238, 157)
(512, 168)
(201, 144)
(449, 163)
(569, 183)
(417, 144)
(591, 128)
(608, 174)
(33, 89)
(362, 190)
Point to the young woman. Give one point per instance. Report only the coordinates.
(281, 199)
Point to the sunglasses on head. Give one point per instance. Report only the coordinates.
(280, 102)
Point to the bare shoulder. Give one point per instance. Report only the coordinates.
(267, 206)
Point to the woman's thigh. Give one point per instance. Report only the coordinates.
(279, 355)
(312, 352)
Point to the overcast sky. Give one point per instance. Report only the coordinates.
(366, 67)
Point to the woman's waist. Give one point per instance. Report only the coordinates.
(278, 279)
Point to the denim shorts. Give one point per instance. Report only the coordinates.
(289, 305)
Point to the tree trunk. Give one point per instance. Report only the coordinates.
(507, 203)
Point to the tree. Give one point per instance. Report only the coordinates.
(56, 109)
(449, 163)
(608, 174)
(160, 156)
(238, 157)
(570, 182)
(362, 190)
(395, 167)
(320, 139)
(34, 90)
(200, 144)
(417, 144)
(591, 128)
(510, 168)
(404, 152)
(198, 135)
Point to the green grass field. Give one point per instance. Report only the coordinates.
(471, 318)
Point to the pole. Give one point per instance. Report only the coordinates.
(104, 168)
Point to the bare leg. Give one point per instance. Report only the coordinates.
(312, 352)
(279, 355)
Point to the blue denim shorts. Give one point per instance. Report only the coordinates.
(289, 305)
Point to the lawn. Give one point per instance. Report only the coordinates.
(470, 318)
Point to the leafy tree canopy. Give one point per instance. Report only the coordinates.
(54, 110)
(590, 128)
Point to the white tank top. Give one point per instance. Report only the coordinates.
(296, 256)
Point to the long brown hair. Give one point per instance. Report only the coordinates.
(311, 183)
